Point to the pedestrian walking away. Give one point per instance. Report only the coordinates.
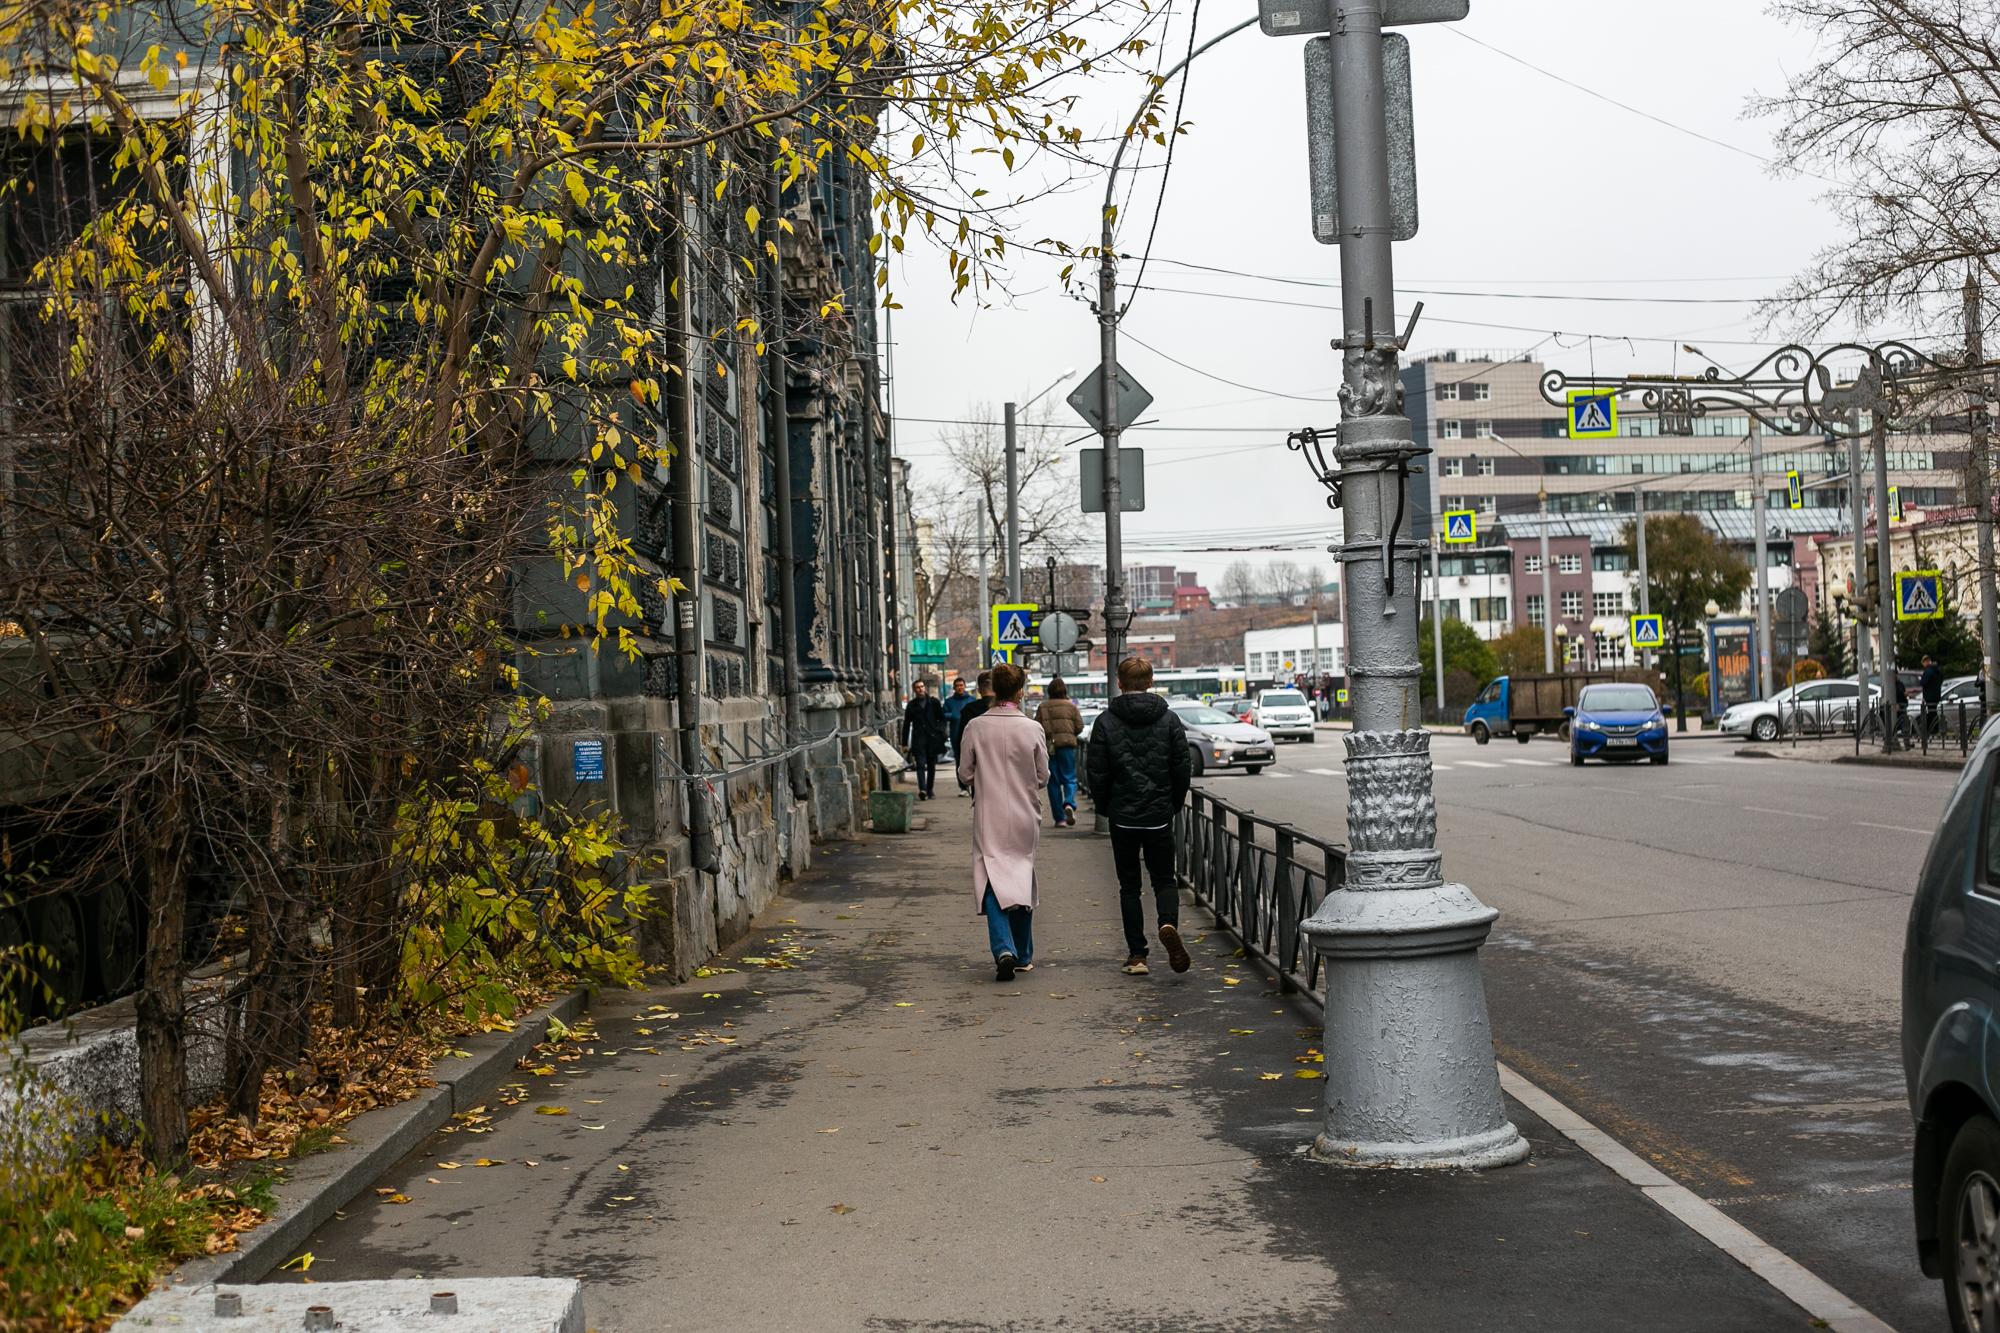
(1931, 684)
(1062, 724)
(924, 734)
(1140, 770)
(954, 705)
(1008, 759)
(971, 709)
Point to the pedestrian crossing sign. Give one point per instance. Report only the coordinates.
(1895, 504)
(999, 657)
(1593, 415)
(1461, 527)
(1919, 595)
(1340, 696)
(1014, 625)
(1648, 631)
(1795, 491)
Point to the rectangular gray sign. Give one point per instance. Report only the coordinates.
(1296, 18)
(1131, 480)
(1399, 108)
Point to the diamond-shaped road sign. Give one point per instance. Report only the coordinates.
(1088, 398)
(1295, 18)
(1399, 111)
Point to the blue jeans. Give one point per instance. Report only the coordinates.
(1009, 929)
(1062, 781)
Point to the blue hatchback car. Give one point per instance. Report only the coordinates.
(1616, 722)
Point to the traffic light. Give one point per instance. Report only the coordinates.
(1865, 593)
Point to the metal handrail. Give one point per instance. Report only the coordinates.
(1258, 890)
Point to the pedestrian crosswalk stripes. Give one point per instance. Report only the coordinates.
(1532, 763)
(1325, 772)
(1479, 763)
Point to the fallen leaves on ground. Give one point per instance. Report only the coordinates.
(301, 1263)
(841, 1208)
(551, 1110)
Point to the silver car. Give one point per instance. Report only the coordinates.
(1220, 741)
(1810, 708)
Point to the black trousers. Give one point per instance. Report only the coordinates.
(925, 760)
(1156, 847)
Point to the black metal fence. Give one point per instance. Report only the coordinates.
(1951, 727)
(1260, 878)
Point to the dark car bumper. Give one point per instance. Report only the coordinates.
(1600, 745)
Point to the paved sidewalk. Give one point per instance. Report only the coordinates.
(882, 1137)
(1838, 751)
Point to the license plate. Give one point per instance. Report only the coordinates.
(1623, 741)
(1256, 754)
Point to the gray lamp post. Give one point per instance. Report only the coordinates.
(1410, 1075)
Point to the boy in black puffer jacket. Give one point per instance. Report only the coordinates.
(1140, 770)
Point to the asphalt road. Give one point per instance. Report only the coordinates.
(1703, 958)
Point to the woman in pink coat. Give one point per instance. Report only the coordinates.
(1006, 760)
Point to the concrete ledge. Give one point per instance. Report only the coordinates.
(314, 1187)
(479, 1305)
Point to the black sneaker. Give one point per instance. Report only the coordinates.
(1003, 967)
(1177, 954)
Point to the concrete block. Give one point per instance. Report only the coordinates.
(833, 801)
(479, 1305)
(891, 811)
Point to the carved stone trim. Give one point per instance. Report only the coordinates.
(1391, 813)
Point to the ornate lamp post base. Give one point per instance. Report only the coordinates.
(1410, 1075)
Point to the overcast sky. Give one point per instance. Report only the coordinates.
(1533, 193)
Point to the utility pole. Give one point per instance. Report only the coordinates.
(1410, 1073)
(1763, 586)
(1548, 604)
(1885, 581)
(1645, 583)
(1437, 613)
(1982, 498)
(1860, 536)
(1013, 510)
(985, 595)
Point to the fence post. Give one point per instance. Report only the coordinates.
(1287, 909)
(1246, 876)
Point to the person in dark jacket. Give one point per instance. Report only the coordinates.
(1931, 683)
(1140, 770)
(923, 738)
(955, 704)
(971, 710)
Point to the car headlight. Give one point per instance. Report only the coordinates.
(1585, 724)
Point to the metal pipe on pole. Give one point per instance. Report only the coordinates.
(1982, 498)
(1013, 508)
(1885, 589)
(1437, 618)
(1410, 1074)
(1645, 582)
(1861, 665)
(777, 423)
(1763, 586)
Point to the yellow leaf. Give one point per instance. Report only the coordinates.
(840, 1208)
(1242, 1032)
(543, 1069)
(1230, 981)
(447, 1166)
(1097, 1180)
(1270, 1077)
(398, 1197)
(551, 1110)
(302, 1263)
(1308, 1073)
(578, 190)
(491, 1161)
(904, 1004)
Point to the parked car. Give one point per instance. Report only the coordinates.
(1957, 690)
(1951, 1027)
(1616, 722)
(1812, 707)
(1220, 741)
(1283, 713)
(1236, 705)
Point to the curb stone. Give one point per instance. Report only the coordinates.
(314, 1187)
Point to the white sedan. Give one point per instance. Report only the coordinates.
(1814, 706)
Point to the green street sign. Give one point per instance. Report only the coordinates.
(930, 650)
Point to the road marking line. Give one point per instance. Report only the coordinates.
(1279, 773)
(1479, 763)
(1533, 763)
(1440, 768)
(1897, 828)
(1786, 1275)
(1325, 772)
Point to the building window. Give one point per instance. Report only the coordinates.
(1453, 467)
(1610, 562)
(1607, 603)
(1453, 609)
(1569, 564)
(1449, 430)
(1572, 604)
(1447, 393)
(1489, 504)
(1489, 608)
(1534, 608)
(1610, 651)
(1486, 464)
(1481, 392)
(1531, 565)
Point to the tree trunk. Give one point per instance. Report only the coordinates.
(162, 1001)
